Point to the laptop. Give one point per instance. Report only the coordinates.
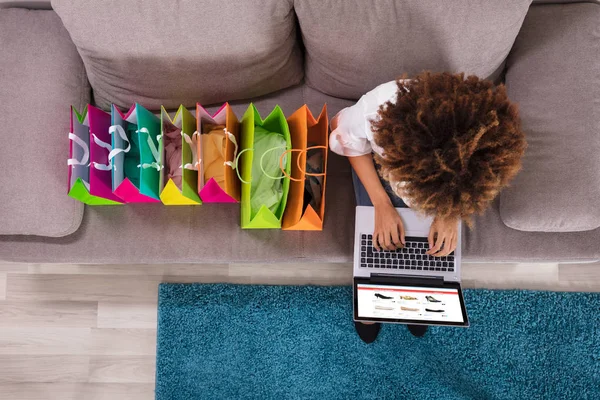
(406, 286)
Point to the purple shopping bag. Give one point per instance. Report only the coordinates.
(100, 148)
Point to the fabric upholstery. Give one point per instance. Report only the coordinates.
(554, 74)
(139, 233)
(352, 47)
(156, 234)
(153, 233)
(491, 240)
(150, 234)
(289, 100)
(173, 52)
(41, 76)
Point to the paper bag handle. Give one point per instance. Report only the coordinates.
(262, 168)
(107, 146)
(235, 166)
(193, 143)
(298, 162)
(153, 150)
(86, 151)
(283, 169)
(231, 137)
(121, 132)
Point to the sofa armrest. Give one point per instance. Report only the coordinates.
(553, 72)
(42, 76)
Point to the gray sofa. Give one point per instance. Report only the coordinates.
(289, 52)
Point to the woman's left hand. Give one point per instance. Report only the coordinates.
(443, 237)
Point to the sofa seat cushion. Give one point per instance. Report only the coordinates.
(153, 234)
(41, 76)
(491, 240)
(171, 52)
(553, 72)
(210, 233)
(352, 46)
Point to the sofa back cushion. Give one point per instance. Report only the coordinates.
(175, 52)
(553, 72)
(354, 45)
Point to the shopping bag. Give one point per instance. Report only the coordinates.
(264, 186)
(135, 156)
(179, 158)
(89, 166)
(218, 148)
(306, 200)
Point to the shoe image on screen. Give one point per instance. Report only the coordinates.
(408, 309)
(410, 303)
(408, 298)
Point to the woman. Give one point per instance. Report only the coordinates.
(439, 143)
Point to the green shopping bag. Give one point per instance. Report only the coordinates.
(264, 146)
(135, 158)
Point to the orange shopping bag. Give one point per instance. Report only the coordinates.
(217, 179)
(306, 200)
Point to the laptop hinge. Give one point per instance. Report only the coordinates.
(436, 281)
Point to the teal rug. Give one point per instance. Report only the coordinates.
(298, 342)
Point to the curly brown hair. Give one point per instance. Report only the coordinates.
(454, 142)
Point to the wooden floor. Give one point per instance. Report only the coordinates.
(88, 332)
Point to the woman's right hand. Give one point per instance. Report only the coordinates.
(389, 229)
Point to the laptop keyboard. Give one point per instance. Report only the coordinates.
(412, 256)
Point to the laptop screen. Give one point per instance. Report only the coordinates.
(399, 303)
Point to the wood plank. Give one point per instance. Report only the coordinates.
(36, 368)
(94, 287)
(77, 341)
(80, 287)
(44, 341)
(122, 342)
(122, 369)
(585, 274)
(2, 285)
(14, 267)
(48, 314)
(206, 270)
(510, 276)
(127, 315)
(77, 391)
(294, 274)
(293, 281)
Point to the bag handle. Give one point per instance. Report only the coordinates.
(283, 169)
(237, 170)
(153, 150)
(86, 151)
(231, 137)
(121, 132)
(193, 143)
(107, 146)
(298, 162)
(261, 164)
(262, 168)
(307, 149)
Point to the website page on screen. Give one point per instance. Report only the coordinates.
(412, 303)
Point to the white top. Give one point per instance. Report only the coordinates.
(352, 136)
